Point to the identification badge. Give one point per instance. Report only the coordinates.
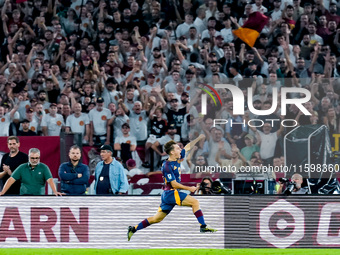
(101, 178)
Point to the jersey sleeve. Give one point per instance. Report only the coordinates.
(168, 173)
(182, 154)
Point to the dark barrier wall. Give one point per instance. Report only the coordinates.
(49, 147)
(282, 222)
(101, 222)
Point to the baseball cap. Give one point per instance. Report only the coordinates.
(152, 76)
(100, 100)
(185, 94)
(249, 136)
(29, 109)
(106, 147)
(25, 121)
(172, 126)
(219, 37)
(174, 100)
(131, 163)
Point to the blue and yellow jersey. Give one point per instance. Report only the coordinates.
(172, 171)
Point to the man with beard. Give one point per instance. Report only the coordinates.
(78, 122)
(53, 122)
(215, 70)
(33, 176)
(10, 161)
(42, 99)
(25, 125)
(99, 116)
(74, 176)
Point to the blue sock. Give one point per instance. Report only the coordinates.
(200, 217)
(143, 224)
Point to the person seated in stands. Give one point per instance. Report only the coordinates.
(25, 124)
(126, 144)
(132, 170)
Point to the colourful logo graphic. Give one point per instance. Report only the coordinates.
(209, 93)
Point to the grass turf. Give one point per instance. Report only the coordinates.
(168, 251)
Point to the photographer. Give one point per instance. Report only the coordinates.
(204, 188)
(210, 187)
(294, 186)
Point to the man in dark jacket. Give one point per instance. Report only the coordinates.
(74, 176)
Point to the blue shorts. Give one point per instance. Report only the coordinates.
(170, 198)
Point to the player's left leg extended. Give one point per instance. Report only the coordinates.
(158, 217)
(195, 205)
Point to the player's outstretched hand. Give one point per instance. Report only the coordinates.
(192, 189)
(202, 136)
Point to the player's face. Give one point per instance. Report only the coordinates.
(177, 151)
(13, 146)
(34, 159)
(74, 154)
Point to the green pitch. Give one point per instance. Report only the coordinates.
(168, 251)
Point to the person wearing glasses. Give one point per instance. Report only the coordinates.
(33, 176)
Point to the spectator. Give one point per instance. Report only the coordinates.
(126, 144)
(53, 122)
(78, 122)
(10, 161)
(132, 170)
(99, 117)
(74, 176)
(26, 131)
(32, 175)
(109, 174)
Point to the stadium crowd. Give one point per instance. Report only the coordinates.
(129, 73)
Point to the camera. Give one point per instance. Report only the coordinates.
(218, 188)
(290, 185)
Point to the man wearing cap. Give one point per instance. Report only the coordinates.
(25, 126)
(74, 176)
(125, 144)
(150, 83)
(99, 130)
(176, 115)
(10, 161)
(183, 29)
(250, 147)
(53, 122)
(110, 177)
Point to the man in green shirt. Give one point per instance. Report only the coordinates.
(33, 176)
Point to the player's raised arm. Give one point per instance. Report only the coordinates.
(191, 145)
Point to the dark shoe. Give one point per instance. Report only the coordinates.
(131, 231)
(205, 229)
(146, 165)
